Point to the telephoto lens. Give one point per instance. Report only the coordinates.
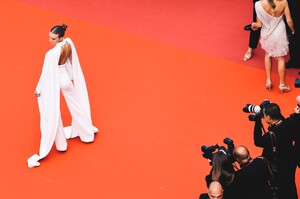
(250, 108)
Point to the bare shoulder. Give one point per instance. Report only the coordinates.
(66, 48)
(263, 1)
(67, 45)
(265, 4)
(281, 2)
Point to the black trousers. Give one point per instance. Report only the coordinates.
(254, 35)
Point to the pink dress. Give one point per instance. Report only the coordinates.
(273, 33)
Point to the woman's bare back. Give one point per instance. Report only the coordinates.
(279, 9)
(65, 53)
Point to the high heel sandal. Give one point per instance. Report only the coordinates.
(284, 89)
(248, 55)
(269, 85)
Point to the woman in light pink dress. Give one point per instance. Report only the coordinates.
(270, 18)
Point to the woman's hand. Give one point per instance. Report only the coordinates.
(255, 26)
(36, 94)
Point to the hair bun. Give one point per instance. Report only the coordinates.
(64, 26)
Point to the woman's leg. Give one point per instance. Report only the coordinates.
(281, 70)
(268, 67)
(60, 138)
(81, 126)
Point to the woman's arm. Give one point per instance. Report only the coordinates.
(288, 17)
(256, 25)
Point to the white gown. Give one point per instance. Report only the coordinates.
(54, 78)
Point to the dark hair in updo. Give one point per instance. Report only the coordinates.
(59, 30)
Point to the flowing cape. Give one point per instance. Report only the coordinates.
(49, 100)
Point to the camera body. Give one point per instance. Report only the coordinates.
(257, 110)
(208, 152)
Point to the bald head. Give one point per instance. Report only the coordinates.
(215, 190)
(241, 154)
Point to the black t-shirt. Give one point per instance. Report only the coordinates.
(252, 180)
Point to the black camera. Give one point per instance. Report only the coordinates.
(257, 110)
(297, 83)
(208, 152)
(230, 145)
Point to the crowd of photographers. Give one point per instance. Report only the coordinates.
(235, 174)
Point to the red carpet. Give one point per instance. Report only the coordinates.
(163, 80)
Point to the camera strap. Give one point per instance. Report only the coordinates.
(271, 179)
(272, 167)
(273, 142)
(269, 168)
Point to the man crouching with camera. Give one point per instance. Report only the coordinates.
(254, 176)
(278, 146)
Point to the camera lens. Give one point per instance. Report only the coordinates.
(227, 141)
(204, 148)
(297, 83)
(252, 117)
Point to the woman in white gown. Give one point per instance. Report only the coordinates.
(270, 17)
(61, 66)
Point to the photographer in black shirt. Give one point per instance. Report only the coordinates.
(254, 177)
(279, 149)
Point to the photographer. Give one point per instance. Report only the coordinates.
(215, 191)
(254, 177)
(278, 146)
